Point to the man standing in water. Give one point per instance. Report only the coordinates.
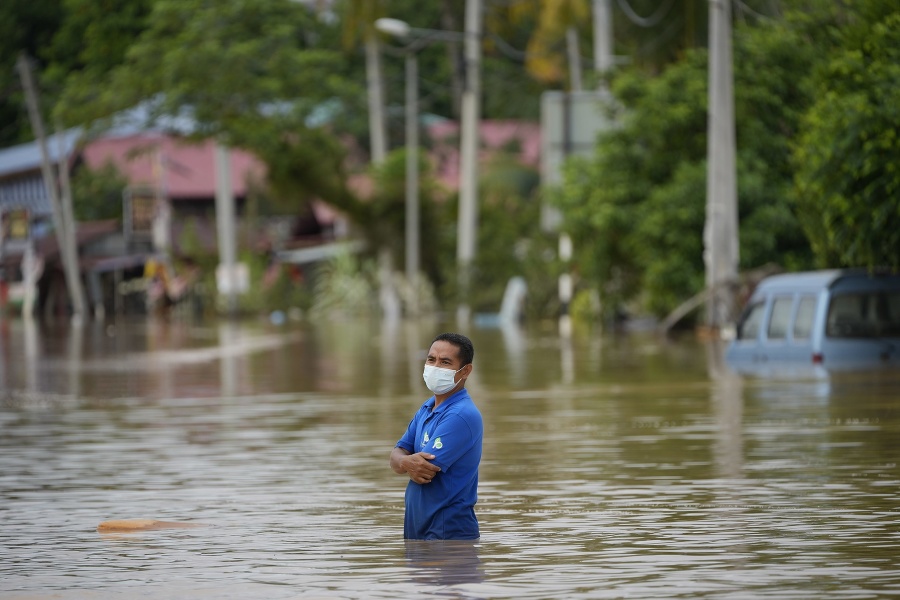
(441, 448)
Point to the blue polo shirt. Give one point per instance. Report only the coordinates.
(445, 508)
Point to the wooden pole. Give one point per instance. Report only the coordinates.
(66, 239)
(70, 226)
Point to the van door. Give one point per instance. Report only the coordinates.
(780, 341)
(863, 327)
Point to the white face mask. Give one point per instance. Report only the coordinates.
(438, 380)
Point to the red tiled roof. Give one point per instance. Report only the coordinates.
(493, 136)
(185, 169)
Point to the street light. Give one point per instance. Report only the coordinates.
(468, 139)
(401, 29)
(394, 27)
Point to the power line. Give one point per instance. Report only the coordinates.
(743, 8)
(650, 21)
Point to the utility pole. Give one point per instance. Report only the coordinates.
(603, 47)
(374, 80)
(574, 59)
(720, 235)
(412, 178)
(225, 216)
(378, 149)
(468, 189)
(65, 229)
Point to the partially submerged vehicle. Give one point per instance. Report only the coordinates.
(847, 319)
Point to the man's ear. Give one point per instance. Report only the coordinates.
(468, 370)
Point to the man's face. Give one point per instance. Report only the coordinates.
(445, 355)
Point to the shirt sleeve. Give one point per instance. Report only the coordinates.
(408, 442)
(453, 438)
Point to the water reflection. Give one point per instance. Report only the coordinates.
(437, 563)
(613, 467)
(228, 371)
(727, 398)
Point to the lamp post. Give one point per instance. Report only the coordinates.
(412, 175)
(401, 30)
(468, 141)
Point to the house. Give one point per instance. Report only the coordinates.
(521, 139)
(171, 187)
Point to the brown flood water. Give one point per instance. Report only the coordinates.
(614, 467)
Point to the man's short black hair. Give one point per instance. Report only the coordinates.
(466, 349)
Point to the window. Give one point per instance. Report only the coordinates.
(780, 319)
(864, 315)
(803, 321)
(748, 329)
(891, 325)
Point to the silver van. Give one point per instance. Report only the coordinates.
(838, 320)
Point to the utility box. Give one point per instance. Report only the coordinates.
(570, 123)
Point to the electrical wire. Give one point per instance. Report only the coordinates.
(650, 21)
(743, 7)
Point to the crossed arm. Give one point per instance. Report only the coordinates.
(415, 465)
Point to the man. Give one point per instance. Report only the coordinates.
(441, 448)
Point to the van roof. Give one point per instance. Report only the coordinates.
(813, 281)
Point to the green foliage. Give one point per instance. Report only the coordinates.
(384, 221)
(847, 157)
(344, 287)
(636, 211)
(25, 26)
(229, 64)
(248, 73)
(510, 243)
(274, 286)
(668, 255)
(815, 95)
(191, 246)
(585, 306)
(303, 166)
(97, 194)
(92, 39)
(623, 209)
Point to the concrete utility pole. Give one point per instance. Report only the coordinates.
(65, 227)
(720, 235)
(468, 188)
(574, 59)
(225, 215)
(603, 47)
(412, 177)
(374, 80)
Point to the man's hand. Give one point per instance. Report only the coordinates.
(415, 465)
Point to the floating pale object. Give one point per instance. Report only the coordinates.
(124, 525)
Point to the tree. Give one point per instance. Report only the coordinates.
(359, 22)
(847, 157)
(636, 210)
(92, 39)
(248, 73)
(99, 192)
(25, 26)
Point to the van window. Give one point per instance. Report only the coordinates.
(748, 329)
(803, 321)
(892, 314)
(864, 315)
(780, 318)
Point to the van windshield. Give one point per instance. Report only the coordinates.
(749, 327)
(864, 315)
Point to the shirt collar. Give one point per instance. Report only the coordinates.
(452, 399)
